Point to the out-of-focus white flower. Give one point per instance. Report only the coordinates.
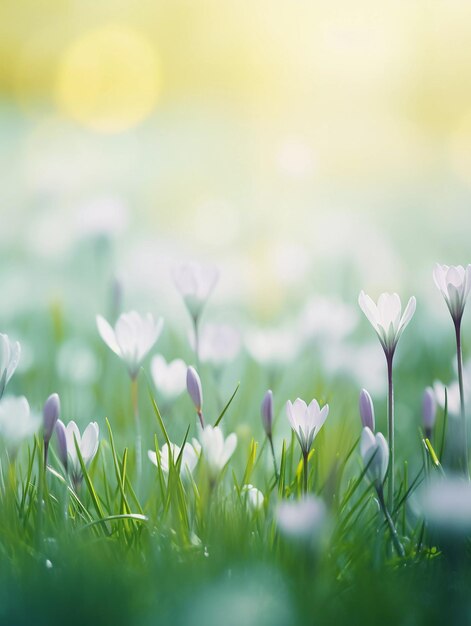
(386, 317)
(446, 505)
(216, 449)
(429, 411)
(254, 497)
(76, 362)
(327, 319)
(132, 337)
(10, 352)
(272, 346)
(266, 411)
(452, 393)
(169, 377)
(306, 421)
(375, 454)
(195, 282)
(190, 456)
(301, 519)
(87, 444)
(16, 421)
(218, 343)
(363, 363)
(106, 215)
(454, 282)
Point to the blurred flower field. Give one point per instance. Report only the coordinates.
(235, 375)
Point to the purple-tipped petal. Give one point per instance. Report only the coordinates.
(429, 411)
(267, 412)
(193, 386)
(367, 411)
(51, 414)
(61, 442)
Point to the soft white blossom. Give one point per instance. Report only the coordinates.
(387, 318)
(454, 282)
(169, 377)
(218, 343)
(446, 505)
(270, 346)
(253, 496)
(17, 422)
(301, 519)
(195, 282)
(306, 421)
(132, 337)
(216, 449)
(375, 454)
(10, 352)
(189, 456)
(87, 444)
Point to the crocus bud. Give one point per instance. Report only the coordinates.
(193, 386)
(367, 410)
(267, 412)
(61, 443)
(429, 411)
(375, 454)
(51, 413)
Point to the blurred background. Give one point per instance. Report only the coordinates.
(309, 149)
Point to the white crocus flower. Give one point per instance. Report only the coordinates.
(17, 423)
(87, 444)
(454, 282)
(387, 318)
(446, 505)
(216, 449)
(195, 282)
(9, 358)
(218, 343)
(132, 337)
(306, 421)
(301, 519)
(189, 459)
(169, 377)
(375, 454)
(254, 497)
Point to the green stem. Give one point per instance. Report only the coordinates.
(270, 439)
(392, 529)
(137, 421)
(305, 471)
(197, 340)
(459, 358)
(389, 359)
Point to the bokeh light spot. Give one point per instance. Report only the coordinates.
(109, 79)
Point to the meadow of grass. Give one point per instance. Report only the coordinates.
(111, 543)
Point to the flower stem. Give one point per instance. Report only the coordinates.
(459, 358)
(389, 359)
(137, 420)
(270, 439)
(394, 536)
(305, 471)
(197, 340)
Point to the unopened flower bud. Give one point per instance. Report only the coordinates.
(367, 410)
(429, 411)
(267, 412)
(193, 386)
(51, 413)
(61, 443)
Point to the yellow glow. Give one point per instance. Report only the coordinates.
(109, 79)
